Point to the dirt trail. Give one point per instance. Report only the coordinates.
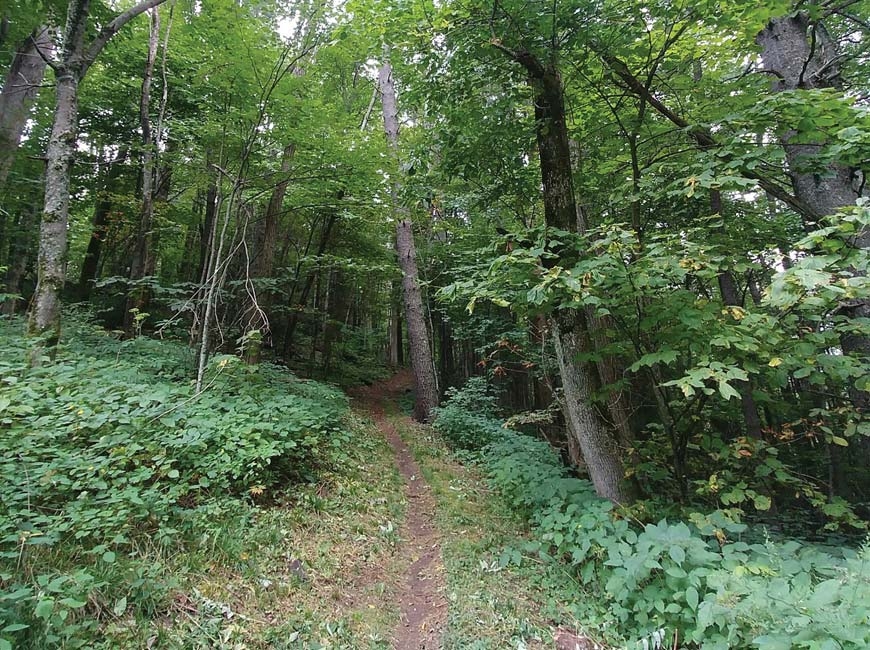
(423, 603)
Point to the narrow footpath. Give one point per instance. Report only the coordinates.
(422, 597)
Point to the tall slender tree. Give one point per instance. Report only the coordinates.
(426, 397)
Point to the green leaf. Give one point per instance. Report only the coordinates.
(692, 598)
(842, 442)
(727, 391)
(109, 557)
(120, 606)
(676, 572)
(15, 627)
(677, 554)
(72, 603)
(825, 593)
(44, 608)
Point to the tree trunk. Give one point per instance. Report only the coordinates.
(75, 61)
(596, 441)
(45, 309)
(800, 54)
(591, 438)
(266, 259)
(426, 397)
(100, 226)
(22, 84)
(206, 230)
(142, 264)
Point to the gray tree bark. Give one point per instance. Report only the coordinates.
(597, 441)
(76, 57)
(143, 263)
(800, 54)
(19, 90)
(415, 317)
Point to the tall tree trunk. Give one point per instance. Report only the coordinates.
(76, 58)
(426, 397)
(142, 264)
(206, 229)
(266, 259)
(597, 442)
(800, 54)
(611, 369)
(100, 225)
(20, 88)
(45, 308)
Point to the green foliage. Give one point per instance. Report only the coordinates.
(466, 419)
(699, 581)
(701, 355)
(110, 446)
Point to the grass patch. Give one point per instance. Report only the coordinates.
(312, 570)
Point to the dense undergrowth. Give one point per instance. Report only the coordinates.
(111, 466)
(709, 581)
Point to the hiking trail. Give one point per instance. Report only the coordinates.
(422, 596)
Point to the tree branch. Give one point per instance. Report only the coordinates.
(113, 28)
(702, 136)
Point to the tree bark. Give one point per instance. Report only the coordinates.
(800, 54)
(597, 442)
(19, 90)
(75, 60)
(45, 309)
(426, 398)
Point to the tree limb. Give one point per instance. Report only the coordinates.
(702, 136)
(106, 34)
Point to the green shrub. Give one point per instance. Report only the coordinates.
(700, 582)
(110, 448)
(467, 419)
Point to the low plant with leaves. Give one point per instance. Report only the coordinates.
(110, 450)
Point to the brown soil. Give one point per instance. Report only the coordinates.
(423, 604)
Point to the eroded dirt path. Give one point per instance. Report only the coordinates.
(422, 597)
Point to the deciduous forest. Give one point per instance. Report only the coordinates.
(420, 324)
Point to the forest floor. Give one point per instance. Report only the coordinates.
(404, 549)
(456, 591)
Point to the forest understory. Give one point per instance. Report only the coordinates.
(434, 323)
